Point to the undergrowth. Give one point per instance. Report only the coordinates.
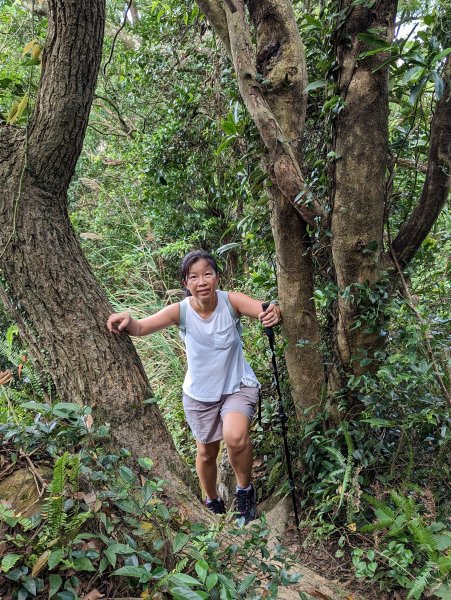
(101, 524)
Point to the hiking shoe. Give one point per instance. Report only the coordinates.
(216, 506)
(246, 504)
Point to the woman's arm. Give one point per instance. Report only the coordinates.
(245, 305)
(170, 315)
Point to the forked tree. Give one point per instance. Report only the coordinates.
(271, 75)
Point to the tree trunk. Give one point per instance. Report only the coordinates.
(280, 62)
(437, 183)
(46, 282)
(361, 146)
(278, 108)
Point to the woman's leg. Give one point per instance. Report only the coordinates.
(235, 430)
(206, 467)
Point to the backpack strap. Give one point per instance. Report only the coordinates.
(182, 319)
(233, 314)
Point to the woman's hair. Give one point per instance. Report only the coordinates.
(193, 257)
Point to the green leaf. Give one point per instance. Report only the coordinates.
(180, 540)
(55, 558)
(111, 557)
(211, 581)
(66, 595)
(55, 582)
(120, 549)
(9, 561)
(443, 592)
(29, 583)
(183, 593)
(440, 55)
(320, 83)
(5, 81)
(128, 506)
(373, 40)
(246, 583)
(201, 567)
(64, 409)
(444, 564)
(439, 84)
(126, 474)
(152, 400)
(162, 512)
(182, 579)
(83, 564)
(443, 541)
(145, 463)
(131, 571)
(416, 90)
(376, 422)
(22, 594)
(410, 74)
(227, 582)
(14, 575)
(37, 406)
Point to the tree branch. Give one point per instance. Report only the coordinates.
(405, 163)
(437, 183)
(283, 167)
(281, 64)
(216, 16)
(66, 90)
(125, 126)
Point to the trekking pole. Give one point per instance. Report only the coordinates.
(282, 416)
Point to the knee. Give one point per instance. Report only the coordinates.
(237, 442)
(207, 455)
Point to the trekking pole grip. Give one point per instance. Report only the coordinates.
(268, 330)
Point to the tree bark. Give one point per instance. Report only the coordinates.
(437, 183)
(46, 282)
(280, 62)
(361, 146)
(284, 170)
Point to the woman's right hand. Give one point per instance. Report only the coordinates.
(118, 322)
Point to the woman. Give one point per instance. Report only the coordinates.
(220, 390)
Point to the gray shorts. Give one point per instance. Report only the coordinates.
(205, 418)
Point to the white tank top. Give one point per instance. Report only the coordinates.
(216, 364)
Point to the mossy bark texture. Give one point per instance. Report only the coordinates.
(47, 284)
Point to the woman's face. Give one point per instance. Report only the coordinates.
(202, 279)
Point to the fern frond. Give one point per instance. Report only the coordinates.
(348, 439)
(337, 455)
(404, 503)
(424, 538)
(179, 567)
(54, 505)
(377, 526)
(377, 504)
(72, 528)
(423, 579)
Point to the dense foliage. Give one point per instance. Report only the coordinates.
(171, 162)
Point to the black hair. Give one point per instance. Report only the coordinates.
(193, 257)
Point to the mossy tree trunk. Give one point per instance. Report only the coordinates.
(47, 284)
(270, 69)
(361, 147)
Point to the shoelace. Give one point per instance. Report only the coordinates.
(244, 501)
(216, 506)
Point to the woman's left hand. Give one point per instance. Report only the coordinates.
(271, 316)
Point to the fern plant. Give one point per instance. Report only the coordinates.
(407, 534)
(65, 471)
